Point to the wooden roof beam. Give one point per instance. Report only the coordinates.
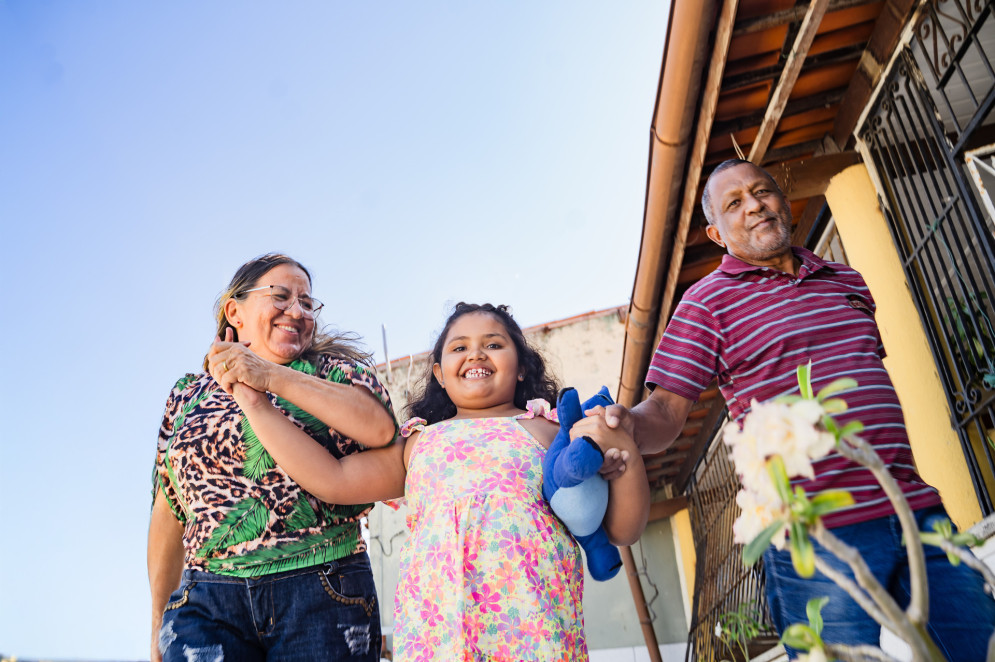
(810, 177)
(792, 15)
(792, 68)
(825, 100)
(669, 508)
(764, 74)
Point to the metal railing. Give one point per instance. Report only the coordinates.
(721, 582)
(936, 106)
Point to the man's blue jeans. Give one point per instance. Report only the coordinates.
(961, 614)
(328, 612)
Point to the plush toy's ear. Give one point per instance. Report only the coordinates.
(568, 408)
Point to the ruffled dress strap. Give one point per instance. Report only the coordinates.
(538, 408)
(412, 425)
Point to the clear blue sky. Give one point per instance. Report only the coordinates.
(413, 154)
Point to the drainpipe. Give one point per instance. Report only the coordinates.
(685, 58)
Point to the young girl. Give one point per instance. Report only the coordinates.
(488, 572)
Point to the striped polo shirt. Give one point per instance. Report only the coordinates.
(752, 326)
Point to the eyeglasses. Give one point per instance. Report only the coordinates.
(283, 299)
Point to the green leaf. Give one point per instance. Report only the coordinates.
(789, 399)
(965, 539)
(336, 513)
(338, 375)
(944, 527)
(303, 515)
(835, 386)
(184, 381)
(834, 405)
(306, 367)
(829, 423)
(258, 461)
(805, 380)
(756, 547)
(799, 636)
(853, 427)
(314, 425)
(246, 521)
(779, 475)
(311, 550)
(189, 407)
(813, 609)
(830, 500)
(802, 552)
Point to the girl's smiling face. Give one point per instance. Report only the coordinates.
(479, 366)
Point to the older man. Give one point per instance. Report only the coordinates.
(768, 308)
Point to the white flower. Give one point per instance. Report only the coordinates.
(793, 432)
(758, 512)
(774, 428)
(718, 630)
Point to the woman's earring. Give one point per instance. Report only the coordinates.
(521, 377)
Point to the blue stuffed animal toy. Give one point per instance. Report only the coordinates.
(575, 491)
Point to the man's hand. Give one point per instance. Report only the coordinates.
(615, 416)
(616, 443)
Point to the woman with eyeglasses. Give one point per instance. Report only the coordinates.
(243, 563)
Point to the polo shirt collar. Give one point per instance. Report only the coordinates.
(810, 263)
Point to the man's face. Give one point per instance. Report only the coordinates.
(751, 219)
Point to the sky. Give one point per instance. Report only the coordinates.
(411, 154)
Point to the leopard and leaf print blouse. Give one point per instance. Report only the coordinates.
(242, 514)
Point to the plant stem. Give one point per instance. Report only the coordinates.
(876, 601)
(860, 597)
(970, 560)
(861, 452)
(857, 653)
(857, 450)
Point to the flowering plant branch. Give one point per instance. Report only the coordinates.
(779, 439)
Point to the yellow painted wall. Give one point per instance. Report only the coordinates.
(871, 251)
(685, 540)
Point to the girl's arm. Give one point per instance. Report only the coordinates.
(351, 410)
(165, 563)
(373, 475)
(629, 492)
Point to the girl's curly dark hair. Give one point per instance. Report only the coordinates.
(433, 403)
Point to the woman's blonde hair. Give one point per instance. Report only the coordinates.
(339, 345)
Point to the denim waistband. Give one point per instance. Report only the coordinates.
(191, 574)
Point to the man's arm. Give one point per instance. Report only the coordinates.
(654, 423)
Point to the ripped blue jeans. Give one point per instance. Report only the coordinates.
(327, 612)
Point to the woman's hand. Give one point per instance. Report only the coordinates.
(232, 363)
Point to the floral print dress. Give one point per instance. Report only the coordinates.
(488, 573)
